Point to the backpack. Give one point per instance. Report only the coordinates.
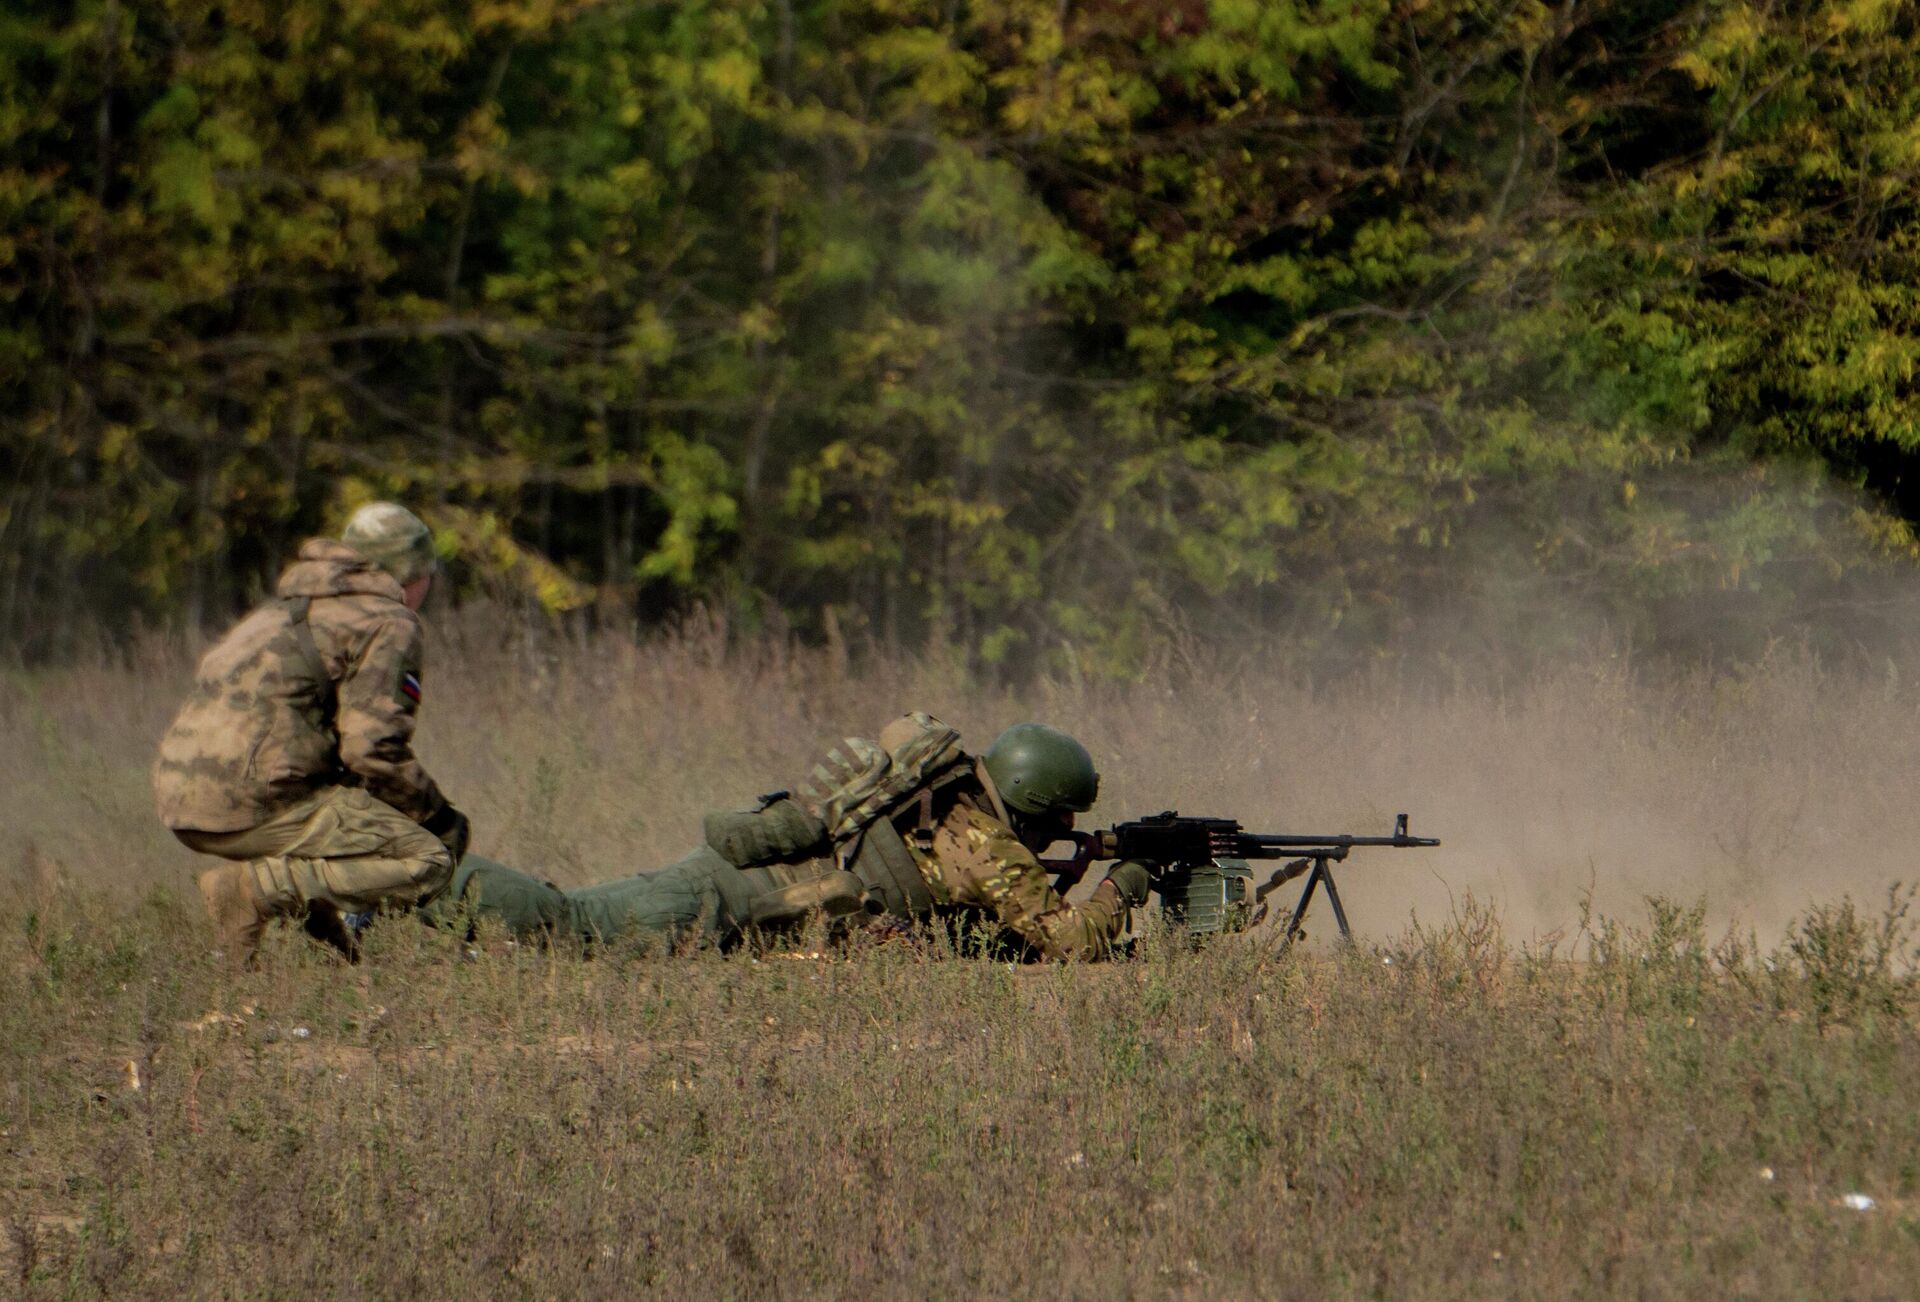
(845, 807)
(859, 782)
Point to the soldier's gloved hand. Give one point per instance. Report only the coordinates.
(453, 829)
(1130, 881)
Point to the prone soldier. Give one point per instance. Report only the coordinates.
(293, 755)
(911, 826)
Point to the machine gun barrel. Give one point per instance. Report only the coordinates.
(1261, 846)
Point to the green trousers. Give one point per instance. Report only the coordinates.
(701, 897)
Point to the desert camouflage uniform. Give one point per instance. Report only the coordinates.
(294, 751)
(975, 862)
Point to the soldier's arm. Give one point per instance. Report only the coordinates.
(986, 864)
(378, 696)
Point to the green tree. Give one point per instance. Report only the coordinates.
(1053, 331)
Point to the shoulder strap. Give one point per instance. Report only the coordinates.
(923, 834)
(923, 804)
(297, 608)
(993, 792)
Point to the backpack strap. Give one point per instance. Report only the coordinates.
(297, 608)
(993, 792)
(923, 834)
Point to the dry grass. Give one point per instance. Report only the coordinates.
(1762, 790)
(1479, 1115)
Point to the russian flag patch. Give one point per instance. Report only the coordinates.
(410, 686)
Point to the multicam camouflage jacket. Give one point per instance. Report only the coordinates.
(917, 819)
(977, 860)
(315, 689)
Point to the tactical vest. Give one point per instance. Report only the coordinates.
(854, 808)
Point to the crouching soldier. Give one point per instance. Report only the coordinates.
(293, 756)
(911, 826)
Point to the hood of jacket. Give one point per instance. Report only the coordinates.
(329, 568)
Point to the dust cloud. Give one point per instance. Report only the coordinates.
(1711, 695)
(1761, 792)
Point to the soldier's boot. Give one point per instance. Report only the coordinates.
(328, 925)
(836, 894)
(240, 913)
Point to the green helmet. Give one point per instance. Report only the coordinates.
(393, 538)
(1041, 770)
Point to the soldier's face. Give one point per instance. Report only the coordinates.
(1038, 831)
(415, 593)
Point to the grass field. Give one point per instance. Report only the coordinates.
(1490, 1096)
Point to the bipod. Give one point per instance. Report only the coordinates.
(1319, 875)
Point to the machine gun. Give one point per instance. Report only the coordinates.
(1200, 867)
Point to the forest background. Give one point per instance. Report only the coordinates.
(1054, 332)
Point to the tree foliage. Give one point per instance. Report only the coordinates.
(1047, 328)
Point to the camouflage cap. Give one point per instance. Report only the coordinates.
(393, 538)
